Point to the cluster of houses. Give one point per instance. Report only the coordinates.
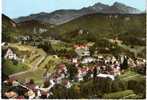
(104, 69)
(61, 75)
(106, 66)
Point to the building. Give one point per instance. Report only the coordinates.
(87, 60)
(10, 55)
(106, 75)
(82, 50)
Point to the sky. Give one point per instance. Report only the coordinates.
(17, 8)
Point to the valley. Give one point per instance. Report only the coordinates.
(94, 52)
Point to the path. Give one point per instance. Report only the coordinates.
(19, 73)
(38, 63)
(128, 96)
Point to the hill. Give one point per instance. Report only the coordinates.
(9, 28)
(33, 26)
(105, 25)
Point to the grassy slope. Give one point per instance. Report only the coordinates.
(28, 26)
(10, 68)
(37, 75)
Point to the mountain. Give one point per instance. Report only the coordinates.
(62, 16)
(120, 8)
(9, 28)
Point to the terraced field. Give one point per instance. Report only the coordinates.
(37, 60)
(33, 60)
(48, 61)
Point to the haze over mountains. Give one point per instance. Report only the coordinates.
(62, 16)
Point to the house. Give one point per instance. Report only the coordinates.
(24, 38)
(80, 46)
(48, 88)
(10, 55)
(87, 60)
(100, 56)
(81, 73)
(116, 70)
(106, 75)
(4, 43)
(42, 30)
(81, 31)
(131, 63)
(113, 59)
(122, 58)
(59, 80)
(75, 60)
(86, 53)
(82, 50)
(67, 84)
(140, 62)
(62, 68)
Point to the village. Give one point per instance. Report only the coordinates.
(73, 49)
(77, 69)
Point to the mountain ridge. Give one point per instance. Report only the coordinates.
(63, 15)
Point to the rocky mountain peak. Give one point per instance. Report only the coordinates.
(117, 4)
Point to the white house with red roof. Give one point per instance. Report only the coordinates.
(81, 73)
(82, 50)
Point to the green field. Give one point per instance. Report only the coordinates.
(36, 75)
(10, 68)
